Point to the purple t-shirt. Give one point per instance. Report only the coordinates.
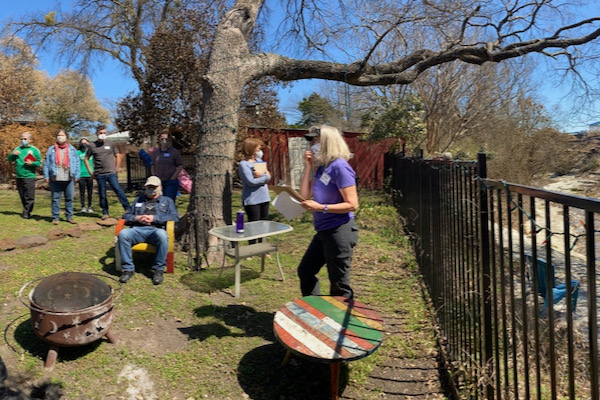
(326, 190)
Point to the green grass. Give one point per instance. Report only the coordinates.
(189, 335)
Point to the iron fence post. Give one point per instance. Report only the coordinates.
(486, 287)
(592, 305)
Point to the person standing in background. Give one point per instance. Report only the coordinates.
(167, 164)
(255, 193)
(86, 183)
(335, 198)
(61, 171)
(104, 154)
(26, 158)
(314, 138)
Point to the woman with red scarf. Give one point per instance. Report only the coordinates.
(62, 171)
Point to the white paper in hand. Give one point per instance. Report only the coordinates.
(287, 205)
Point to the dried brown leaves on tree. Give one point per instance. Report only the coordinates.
(170, 93)
(19, 79)
(68, 100)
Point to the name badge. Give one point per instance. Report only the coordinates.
(325, 179)
(138, 204)
(167, 155)
(106, 147)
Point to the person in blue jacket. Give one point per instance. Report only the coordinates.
(62, 171)
(148, 218)
(255, 192)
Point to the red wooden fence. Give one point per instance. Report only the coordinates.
(367, 160)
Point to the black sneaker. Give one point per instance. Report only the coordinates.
(25, 215)
(157, 278)
(126, 276)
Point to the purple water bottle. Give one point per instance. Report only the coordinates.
(239, 222)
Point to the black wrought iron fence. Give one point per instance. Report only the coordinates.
(511, 274)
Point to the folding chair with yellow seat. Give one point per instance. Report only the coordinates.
(146, 247)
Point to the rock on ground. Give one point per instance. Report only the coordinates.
(26, 242)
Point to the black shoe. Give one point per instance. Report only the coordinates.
(126, 276)
(157, 278)
(25, 215)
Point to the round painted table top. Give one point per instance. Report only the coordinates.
(328, 329)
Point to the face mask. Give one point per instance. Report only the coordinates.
(259, 154)
(84, 146)
(315, 148)
(164, 141)
(151, 192)
(61, 139)
(102, 136)
(24, 142)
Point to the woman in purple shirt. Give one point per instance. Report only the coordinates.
(333, 189)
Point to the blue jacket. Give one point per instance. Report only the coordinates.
(166, 211)
(50, 163)
(254, 190)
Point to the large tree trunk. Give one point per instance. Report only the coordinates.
(227, 73)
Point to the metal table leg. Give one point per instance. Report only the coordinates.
(238, 271)
(334, 371)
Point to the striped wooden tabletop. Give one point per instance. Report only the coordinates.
(328, 329)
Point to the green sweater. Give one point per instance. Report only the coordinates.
(23, 170)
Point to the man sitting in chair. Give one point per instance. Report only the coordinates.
(147, 217)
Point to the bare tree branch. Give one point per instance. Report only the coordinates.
(407, 69)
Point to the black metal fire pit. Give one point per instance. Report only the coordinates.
(71, 309)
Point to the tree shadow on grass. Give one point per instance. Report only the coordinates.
(209, 281)
(108, 262)
(33, 217)
(262, 376)
(247, 319)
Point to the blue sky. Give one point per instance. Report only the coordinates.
(112, 82)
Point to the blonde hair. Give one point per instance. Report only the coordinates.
(333, 145)
(249, 146)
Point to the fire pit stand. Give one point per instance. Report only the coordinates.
(71, 309)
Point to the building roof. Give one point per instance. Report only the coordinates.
(118, 136)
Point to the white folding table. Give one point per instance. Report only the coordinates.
(252, 230)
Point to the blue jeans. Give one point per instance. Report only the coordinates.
(66, 187)
(113, 181)
(157, 237)
(170, 188)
